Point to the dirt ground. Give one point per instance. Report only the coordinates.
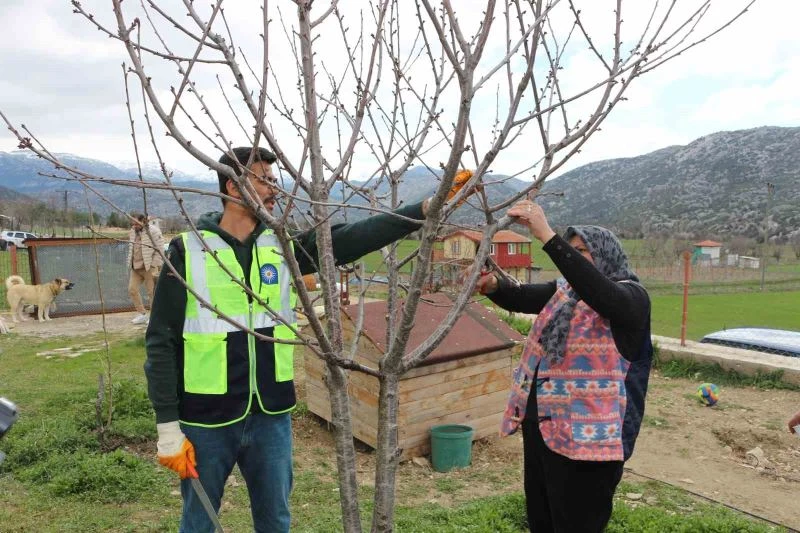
(739, 452)
(711, 451)
(74, 326)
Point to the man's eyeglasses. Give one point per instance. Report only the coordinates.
(266, 180)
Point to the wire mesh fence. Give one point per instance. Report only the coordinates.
(716, 277)
(97, 267)
(86, 262)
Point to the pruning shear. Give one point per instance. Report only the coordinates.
(487, 267)
(194, 478)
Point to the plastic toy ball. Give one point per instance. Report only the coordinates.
(708, 394)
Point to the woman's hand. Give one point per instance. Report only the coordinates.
(486, 284)
(794, 422)
(532, 215)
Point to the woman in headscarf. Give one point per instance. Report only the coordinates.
(579, 390)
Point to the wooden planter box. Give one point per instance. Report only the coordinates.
(466, 380)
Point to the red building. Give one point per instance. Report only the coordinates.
(510, 250)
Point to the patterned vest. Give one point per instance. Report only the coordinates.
(223, 369)
(581, 400)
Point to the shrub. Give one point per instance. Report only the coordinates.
(33, 442)
(131, 401)
(115, 477)
(521, 325)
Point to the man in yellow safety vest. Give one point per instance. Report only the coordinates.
(223, 397)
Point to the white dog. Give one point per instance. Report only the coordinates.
(19, 294)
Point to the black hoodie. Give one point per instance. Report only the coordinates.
(164, 338)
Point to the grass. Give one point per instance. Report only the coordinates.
(789, 264)
(714, 373)
(713, 306)
(373, 262)
(60, 476)
(713, 312)
(521, 324)
(23, 269)
(663, 508)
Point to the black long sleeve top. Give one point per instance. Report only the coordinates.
(625, 305)
(164, 342)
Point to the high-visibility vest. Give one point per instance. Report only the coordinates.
(224, 370)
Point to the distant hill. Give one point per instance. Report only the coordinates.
(714, 186)
(12, 195)
(19, 171)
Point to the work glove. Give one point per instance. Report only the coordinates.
(174, 450)
(461, 178)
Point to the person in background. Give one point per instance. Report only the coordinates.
(579, 391)
(222, 397)
(145, 247)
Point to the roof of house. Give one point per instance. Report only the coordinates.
(708, 244)
(477, 331)
(501, 236)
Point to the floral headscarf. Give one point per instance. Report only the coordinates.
(610, 259)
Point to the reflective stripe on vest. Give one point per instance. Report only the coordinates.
(201, 319)
(205, 334)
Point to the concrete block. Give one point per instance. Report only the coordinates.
(747, 362)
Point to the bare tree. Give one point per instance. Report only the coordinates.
(382, 85)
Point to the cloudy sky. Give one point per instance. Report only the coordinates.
(63, 79)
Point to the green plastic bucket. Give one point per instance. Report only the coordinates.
(451, 446)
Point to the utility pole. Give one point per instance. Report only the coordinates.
(770, 191)
(67, 222)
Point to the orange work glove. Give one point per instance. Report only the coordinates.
(461, 178)
(175, 451)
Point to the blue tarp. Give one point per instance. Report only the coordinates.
(777, 341)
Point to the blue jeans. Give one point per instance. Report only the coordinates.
(261, 445)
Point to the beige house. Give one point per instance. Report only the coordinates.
(510, 250)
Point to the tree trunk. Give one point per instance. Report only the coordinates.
(387, 454)
(336, 380)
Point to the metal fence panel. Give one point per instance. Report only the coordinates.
(83, 261)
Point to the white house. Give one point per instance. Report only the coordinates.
(706, 252)
(749, 262)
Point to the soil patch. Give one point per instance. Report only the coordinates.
(75, 326)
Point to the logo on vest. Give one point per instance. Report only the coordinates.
(269, 274)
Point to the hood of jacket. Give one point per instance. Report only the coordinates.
(210, 222)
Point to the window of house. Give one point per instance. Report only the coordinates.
(512, 248)
(492, 249)
(455, 247)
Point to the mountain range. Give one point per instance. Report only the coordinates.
(714, 186)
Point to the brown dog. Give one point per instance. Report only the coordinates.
(19, 293)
